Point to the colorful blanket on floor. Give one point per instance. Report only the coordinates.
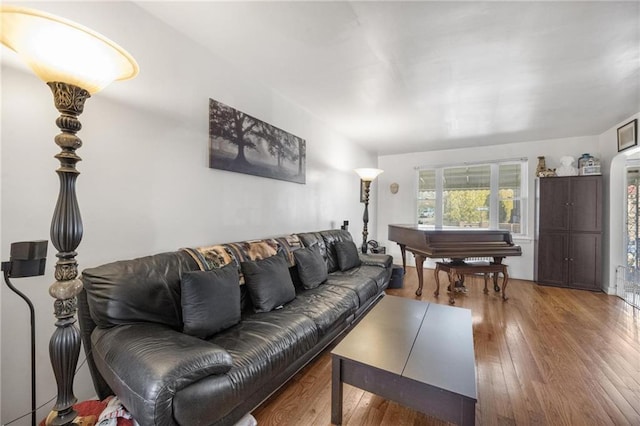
(109, 412)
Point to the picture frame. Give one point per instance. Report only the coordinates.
(628, 135)
(241, 143)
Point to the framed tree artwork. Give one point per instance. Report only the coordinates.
(241, 143)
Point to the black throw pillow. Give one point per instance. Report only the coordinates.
(268, 283)
(210, 300)
(347, 254)
(311, 266)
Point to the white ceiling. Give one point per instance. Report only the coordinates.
(416, 76)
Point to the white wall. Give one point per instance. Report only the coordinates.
(401, 207)
(615, 201)
(145, 186)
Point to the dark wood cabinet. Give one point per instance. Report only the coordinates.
(569, 232)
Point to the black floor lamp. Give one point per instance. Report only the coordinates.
(27, 259)
(366, 177)
(75, 62)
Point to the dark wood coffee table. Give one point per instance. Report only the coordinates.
(416, 353)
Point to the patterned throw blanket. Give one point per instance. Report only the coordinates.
(109, 412)
(217, 256)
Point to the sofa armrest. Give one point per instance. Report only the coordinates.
(146, 364)
(382, 260)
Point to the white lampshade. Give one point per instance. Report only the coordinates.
(368, 174)
(60, 50)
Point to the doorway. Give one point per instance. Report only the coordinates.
(629, 273)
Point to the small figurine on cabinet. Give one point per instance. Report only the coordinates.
(566, 169)
(541, 169)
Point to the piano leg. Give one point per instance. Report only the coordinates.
(403, 251)
(419, 263)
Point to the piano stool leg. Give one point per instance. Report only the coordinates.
(486, 280)
(505, 281)
(452, 285)
(497, 260)
(496, 287)
(437, 277)
(459, 285)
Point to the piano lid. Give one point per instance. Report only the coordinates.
(454, 243)
(431, 229)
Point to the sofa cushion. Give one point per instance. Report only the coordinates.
(311, 238)
(379, 275)
(347, 254)
(356, 280)
(311, 267)
(139, 290)
(262, 346)
(328, 306)
(210, 300)
(330, 238)
(268, 282)
(146, 364)
(377, 259)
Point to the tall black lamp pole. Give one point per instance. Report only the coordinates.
(28, 259)
(366, 177)
(75, 62)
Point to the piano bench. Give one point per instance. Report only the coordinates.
(460, 269)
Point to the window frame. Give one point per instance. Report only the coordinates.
(494, 197)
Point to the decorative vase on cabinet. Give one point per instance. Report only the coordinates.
(569, 232)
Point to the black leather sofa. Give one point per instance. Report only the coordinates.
(132, 328)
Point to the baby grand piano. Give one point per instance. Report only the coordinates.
(455, 244)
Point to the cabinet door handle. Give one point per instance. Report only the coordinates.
(566, 258)
(571, 259)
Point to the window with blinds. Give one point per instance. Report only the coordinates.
(487, 196)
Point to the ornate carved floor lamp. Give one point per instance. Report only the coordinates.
(75, 62)
(366, 176)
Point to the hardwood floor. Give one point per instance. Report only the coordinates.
(547, 356)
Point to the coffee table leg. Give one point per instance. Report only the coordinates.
(468, 413)
(336, 390)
